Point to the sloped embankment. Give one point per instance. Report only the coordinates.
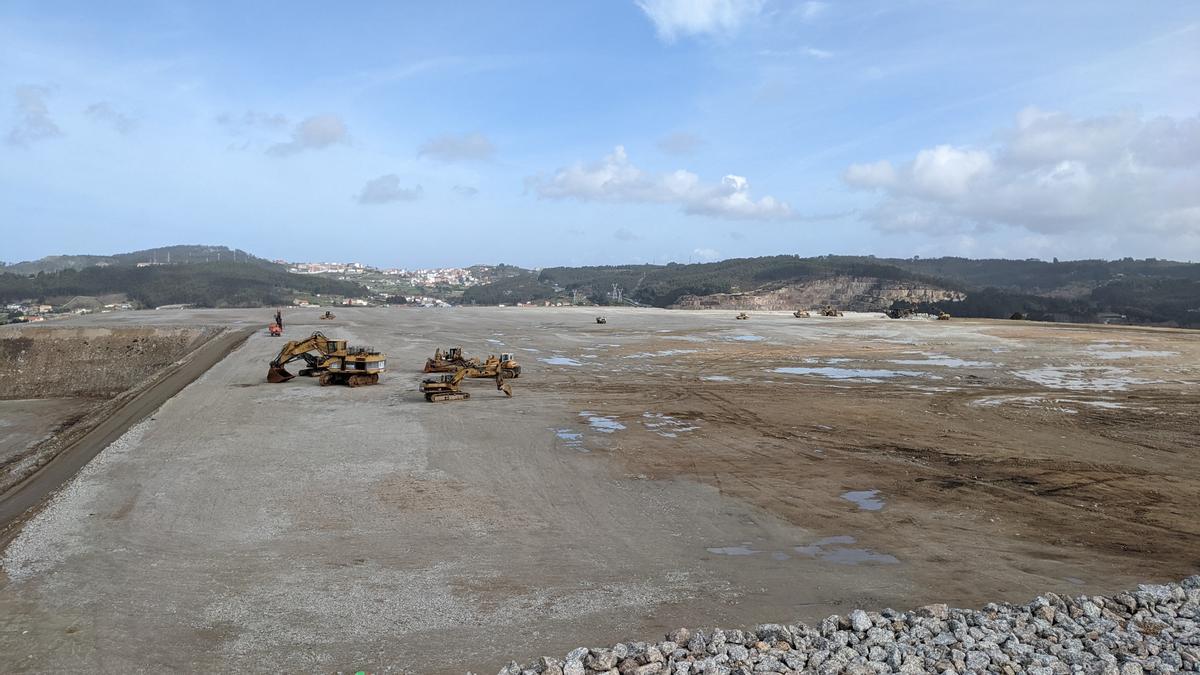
(83, 374)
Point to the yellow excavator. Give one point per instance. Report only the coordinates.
(446, 387)
(330, 359)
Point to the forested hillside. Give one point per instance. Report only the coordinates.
(205, 284)
(1137, 291)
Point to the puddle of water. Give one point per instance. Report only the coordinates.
(666, 352)
(1111, 351)
(867, 500)
(780, 555)
(666, 426)
(836, 550)
(604, 425)
(685, 338)
(530, 350)
(733, 550)
(1083, 378)
(849, 373)
(945, 361)
(747, 338)
(560, 361)
(571, 439)
(496, 342)
(717, 378)
(1074, 580)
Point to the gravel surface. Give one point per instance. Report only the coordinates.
(1154, 629)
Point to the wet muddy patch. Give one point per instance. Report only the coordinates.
(863, 374)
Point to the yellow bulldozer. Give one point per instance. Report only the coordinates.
(830, 310)
(601, 319)
(331, 360)
(800, 314)
(742, 316)
(446, 387)
(449, 361)
(506, 363)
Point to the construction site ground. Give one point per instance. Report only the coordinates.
(667, 468)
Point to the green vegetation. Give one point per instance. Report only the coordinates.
(524, 287)
(211, 284)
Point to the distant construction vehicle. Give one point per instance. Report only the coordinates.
(943, 316)
(506, 363)
(446, 387)
(328, 315)
(274, 330)
(830, 310)
(899, 313)
(800, 314)
(742, 316)
(329, 359)
(601, 319)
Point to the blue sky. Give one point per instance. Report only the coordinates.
(602, 132)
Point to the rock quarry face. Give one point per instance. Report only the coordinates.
(859, 294)
(1154, 629)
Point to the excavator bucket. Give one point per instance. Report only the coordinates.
(277, 374)
(506, 389)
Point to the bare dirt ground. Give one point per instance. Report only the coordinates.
(655, 471)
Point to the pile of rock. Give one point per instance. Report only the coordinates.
(1155, 629)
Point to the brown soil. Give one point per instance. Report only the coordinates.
(995, 499)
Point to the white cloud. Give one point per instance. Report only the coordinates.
(675, 18)
(680, 143)
(458, 148)
(313, 133)
(33, 117)
(812, 9)
(1050, 173)
(104, 112)
(706, 254)
(615, 179)
(386, 189)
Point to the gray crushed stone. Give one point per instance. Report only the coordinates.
(1154, 629)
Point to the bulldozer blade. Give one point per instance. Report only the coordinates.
(277, 374)
(507, 390)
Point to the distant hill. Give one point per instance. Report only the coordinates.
(194, 276)
(188, 253)
(1135, 291)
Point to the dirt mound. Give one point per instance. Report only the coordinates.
(95, 363)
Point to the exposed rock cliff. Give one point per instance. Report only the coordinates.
(860, 294)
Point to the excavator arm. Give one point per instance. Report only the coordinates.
(301, 349)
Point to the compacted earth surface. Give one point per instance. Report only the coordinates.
(57, 382)
(665, 469)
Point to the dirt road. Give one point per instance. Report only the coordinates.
(663, 469)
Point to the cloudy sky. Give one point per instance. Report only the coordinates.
(604, 131)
